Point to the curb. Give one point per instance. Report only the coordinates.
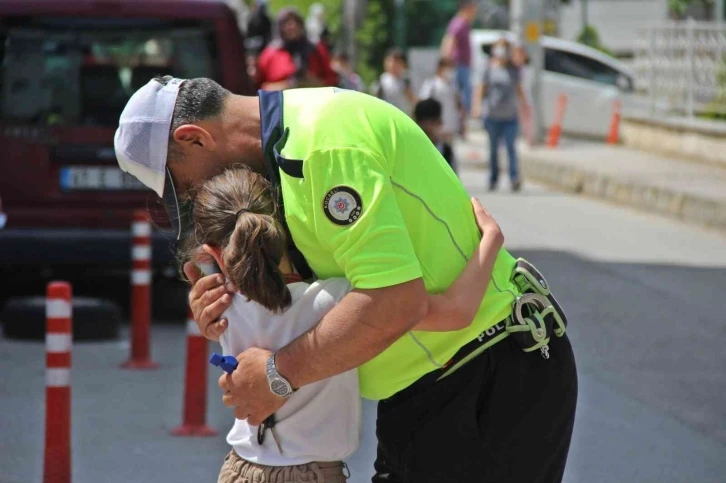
(694, 209)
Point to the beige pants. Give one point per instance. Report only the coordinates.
(237, 470)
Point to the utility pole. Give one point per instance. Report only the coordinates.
(531, 23)
(400, 24)
(515, 17)
(583, 13)
(349, 25)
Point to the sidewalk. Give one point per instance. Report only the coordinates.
(676, 188)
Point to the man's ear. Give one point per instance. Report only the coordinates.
(189, 135)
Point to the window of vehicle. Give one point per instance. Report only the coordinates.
(584, 67)
(66, 71)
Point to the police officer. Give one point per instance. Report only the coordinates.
(367, 196)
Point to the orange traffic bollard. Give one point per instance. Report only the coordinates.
(195, 385)
(140, 294)
(553, 137)
(614, 134)
(58, 343)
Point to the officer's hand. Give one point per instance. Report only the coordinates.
(247, 389)
(487, 224)
(208, 298)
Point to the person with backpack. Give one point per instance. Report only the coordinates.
(498, 97)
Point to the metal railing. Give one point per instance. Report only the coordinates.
(681, 67)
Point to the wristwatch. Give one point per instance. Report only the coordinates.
(278, 384)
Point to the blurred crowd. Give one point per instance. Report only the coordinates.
(445, 101)
(293, 51)
(296, 51)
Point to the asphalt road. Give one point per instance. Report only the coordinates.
(640, 292)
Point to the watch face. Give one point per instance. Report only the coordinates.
(280, 387)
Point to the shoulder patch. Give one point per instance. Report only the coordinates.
(343, 205)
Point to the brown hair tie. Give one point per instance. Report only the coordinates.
(242, 210)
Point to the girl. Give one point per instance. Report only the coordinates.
(501, 90)
(236, 223)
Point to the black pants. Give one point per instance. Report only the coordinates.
(504, 417)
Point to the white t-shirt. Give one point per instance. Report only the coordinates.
(320, 421)
(444, 92)
(393, 90)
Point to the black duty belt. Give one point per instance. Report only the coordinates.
(536, 315)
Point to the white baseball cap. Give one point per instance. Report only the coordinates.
(142, 140)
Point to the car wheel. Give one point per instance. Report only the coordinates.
(93, 319)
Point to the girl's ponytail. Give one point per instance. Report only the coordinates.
(252, 258)
(235, 211)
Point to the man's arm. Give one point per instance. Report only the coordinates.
(447, 46)
(373, 249)
(360, 327)
(521, 96)
(479, 92)
(456, 308)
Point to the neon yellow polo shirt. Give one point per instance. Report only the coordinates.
(368, 197)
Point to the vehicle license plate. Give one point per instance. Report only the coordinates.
(97, 178)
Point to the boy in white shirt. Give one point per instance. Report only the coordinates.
(236, 224)
(442, 88)
(394, 85)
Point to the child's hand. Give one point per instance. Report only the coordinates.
(487, 224)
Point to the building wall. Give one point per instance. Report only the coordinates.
(615, 20)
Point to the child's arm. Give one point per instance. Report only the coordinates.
(456, 307)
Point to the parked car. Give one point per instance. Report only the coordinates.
(67, 68)
(591, 80)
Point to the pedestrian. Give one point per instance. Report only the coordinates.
(442, 87)
(394, 86)
(315, 25)
(500, 90)
(428, 115)
(364, 195)
(520, 59)
(235, 222)
(456, 45)
(259, 29)
(347, 77)
(292, 60)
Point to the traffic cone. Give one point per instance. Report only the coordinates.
(553, 137)
(614, 134)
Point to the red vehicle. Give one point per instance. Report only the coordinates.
(67, 68)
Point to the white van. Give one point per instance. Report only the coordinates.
(591, 80)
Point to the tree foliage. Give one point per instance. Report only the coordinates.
(374, 37)
(590, 37)
(678, 8)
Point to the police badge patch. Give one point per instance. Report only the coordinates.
(342, 205)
